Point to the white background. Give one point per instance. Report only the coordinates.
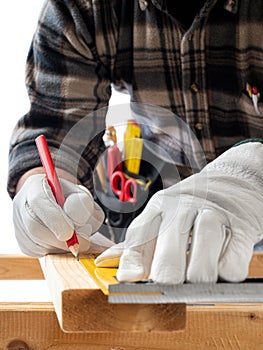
(18, 20)
(17, 24)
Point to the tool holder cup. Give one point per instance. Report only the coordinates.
(119, 212)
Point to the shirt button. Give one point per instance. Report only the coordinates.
(231, 6)
(199, 126)
(143, 4)
(194, 87)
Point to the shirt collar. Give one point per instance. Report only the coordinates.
(229, 5)
(144, 4)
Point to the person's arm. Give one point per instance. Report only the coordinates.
(68, 77)
(40, 170)
(68, 80)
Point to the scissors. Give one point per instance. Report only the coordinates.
(125, 189)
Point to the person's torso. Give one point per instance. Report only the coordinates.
(198, 70)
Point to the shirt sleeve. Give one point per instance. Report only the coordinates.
(68, 78)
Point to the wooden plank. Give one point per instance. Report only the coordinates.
(82, 307)
(20, 267)
(237, 326)
(210, 327)
(256, 265)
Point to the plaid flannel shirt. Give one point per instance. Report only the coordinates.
(82, 47)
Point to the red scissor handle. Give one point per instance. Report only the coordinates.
(130, 191)
(125, 189)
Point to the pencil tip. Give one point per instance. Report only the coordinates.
(75, 251)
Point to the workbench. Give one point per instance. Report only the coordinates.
(79, 316)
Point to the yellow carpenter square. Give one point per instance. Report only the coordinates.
(103, 276)
(144, 292)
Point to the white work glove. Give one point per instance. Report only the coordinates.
(43, 227)
(220, 208)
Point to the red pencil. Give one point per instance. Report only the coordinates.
(52, 178)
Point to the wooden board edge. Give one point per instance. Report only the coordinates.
(20, 267)
(256, 265)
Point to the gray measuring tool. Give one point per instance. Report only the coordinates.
(147, 292)
(249, 291)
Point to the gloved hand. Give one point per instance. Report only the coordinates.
(217, 212)
(42, 226)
